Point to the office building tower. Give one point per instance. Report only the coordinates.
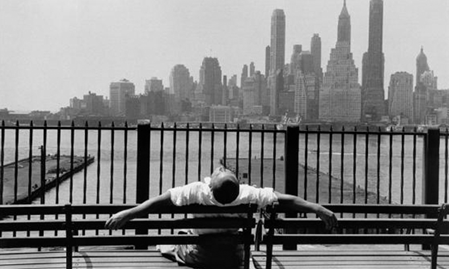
(340, 93)
(210, 81)
(118, 92)
(420, 96)
(252, 69)
(373, 96)
(400, 95)
(181, 83)
(277, 61)
(267, 61)
(315, 50)
(306, 96)
(294, 60)
(254, 94)
(153, 85)
(244, 75)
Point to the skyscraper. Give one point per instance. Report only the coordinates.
(340, 94)
(315, 50)
(373, 95)
(181, 83)
(267, 61)
(277, 60)
(210, 81)
(244, 75)
(118, 92)
(252, 69)
(420, 94)
(400, 95)
(294, 60)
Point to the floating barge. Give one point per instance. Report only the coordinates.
(25, 180)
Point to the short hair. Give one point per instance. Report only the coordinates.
(225, 187)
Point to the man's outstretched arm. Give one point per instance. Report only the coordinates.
(119, 219)
(291, 202)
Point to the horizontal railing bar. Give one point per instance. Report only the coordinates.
(200, 223)
(16, 210)
(31, 225)
(372, 209)
(357, 223)
(387, 239)
(33, 242)
(159, 239)
(52, 127)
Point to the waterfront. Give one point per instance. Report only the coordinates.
(177, 159)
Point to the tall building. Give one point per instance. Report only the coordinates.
(373, 96)
(340, 93)
(400, 95)
(420, 96)
(315, 50)
(254, 91)
(118, 92)
(153, 85)
(267, 61)
(181, 83)
(295, 64)
(277, 59)
(252, 69)
(244, 75)
(210, 81)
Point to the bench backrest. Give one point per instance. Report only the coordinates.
(83, 225)
(380, 224)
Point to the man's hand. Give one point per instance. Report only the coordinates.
(328, 217)
(117, 220)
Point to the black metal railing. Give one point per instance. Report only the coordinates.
(348, 165)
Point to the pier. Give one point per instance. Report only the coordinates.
(25, 179)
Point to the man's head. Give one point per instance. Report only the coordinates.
(224, 185)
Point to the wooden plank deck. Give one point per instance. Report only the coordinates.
(351, 258)
(314, 258)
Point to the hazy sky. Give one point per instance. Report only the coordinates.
(54, 50)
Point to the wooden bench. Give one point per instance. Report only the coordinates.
(376, 225)
(82, 226)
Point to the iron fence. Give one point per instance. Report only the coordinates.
(132, 163)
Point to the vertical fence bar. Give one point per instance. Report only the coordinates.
(2, 162)
(378, 164)
(445, 166)
(330, 164)
(414, 166)
(225, 142)
(342, 161)
(402, 165)
(86, 143)
(30, 164)
(125, 162)
(318, 154)
(99, 161)
(161, 158)
(72, 155)
(237, 154)
(431, 166)
(212, 147)
(16, 162)
(111, 181)
(354, 166)
(274, 160)
(200, 145)
(250, 152)
(366, 164)
(187, 155)
(174, 156)
(58, 161)
(262, 150)
(306, 161)
(44, 164)
(291, 170)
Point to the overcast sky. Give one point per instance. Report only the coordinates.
(54, 50)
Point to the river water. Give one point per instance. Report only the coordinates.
(180, 158)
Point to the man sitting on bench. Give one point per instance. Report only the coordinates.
(222, 188)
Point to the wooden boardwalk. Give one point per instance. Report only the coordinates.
(315, 258)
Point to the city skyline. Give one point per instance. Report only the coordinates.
(52, 51)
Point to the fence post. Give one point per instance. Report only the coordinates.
(143, 161)
(291, 171)
(143, 170)
(431, 166)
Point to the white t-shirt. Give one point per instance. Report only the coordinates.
(200, 193)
